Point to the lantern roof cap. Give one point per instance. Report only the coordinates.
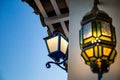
(95, 13)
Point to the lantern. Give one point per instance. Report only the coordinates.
(97, 40)
(57, 45)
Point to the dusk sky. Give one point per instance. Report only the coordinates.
(23, 53)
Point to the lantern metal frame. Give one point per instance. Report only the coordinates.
(93, 45)
(60, 59)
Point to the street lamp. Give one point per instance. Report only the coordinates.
(97, 40)
(57, 45)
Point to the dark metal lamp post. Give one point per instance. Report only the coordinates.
(98, 40)
(57, 45)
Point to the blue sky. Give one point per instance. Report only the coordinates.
(23, 53)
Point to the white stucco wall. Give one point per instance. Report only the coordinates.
(77, 70)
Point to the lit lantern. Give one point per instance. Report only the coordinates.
(57, 45)
(97, 40)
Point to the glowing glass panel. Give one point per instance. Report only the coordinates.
(96, 51)
(94, 30)
(87, 30)
(98, 30)
(93, 58)
(112, 55)
(84, 56)
(110, 62)
(88, 63)
(81, 39)
(106, 28)
(53, 44)
(89, 52)
(106, 51)
(100, 51)
(105, 38)
(89, 40)
(63, 45)
(105, 58)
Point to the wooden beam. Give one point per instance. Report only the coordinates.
(67, 2)
(56, 19)
(43, 12)
(56, 8)
(40, 7)
(65, 29)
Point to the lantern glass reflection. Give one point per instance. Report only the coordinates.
(53, 44)
(63, 45)
(106, 28)
(87, 30)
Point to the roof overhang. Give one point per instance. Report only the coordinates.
(54, 14)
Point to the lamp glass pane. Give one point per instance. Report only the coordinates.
(89, 52)
(94, 30)
(114, 36)
(80, 36)
(113, 55)
(106, 51)
(104, 58)
(88, 63)
(98, 29)
(100, 51)
(84, 56)
(63, 45)
(53, 44)
(96, 51)
(110, 62)
(105, 38)
(106, 28)
(87, 30)
(89, 40)
(92, 58)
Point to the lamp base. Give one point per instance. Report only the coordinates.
(99, 66)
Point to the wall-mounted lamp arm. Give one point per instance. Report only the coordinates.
(48, 64)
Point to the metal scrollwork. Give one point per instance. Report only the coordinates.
(60, 64)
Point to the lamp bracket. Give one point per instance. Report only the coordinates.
(60, 64)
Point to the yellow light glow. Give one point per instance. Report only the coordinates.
(105, 38)
(98, 30)
(64, 45)
(112, 55)
(92, 58)
(104, 58)
(89, 40)
(99, 63)
(106, 51)
(94, 30)
(88, 63)
(96, 51)
(89, 52)
(100, 51)
(84, 56)
(53, 44)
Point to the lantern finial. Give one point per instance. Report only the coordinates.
(95, 8)
(96, 2)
